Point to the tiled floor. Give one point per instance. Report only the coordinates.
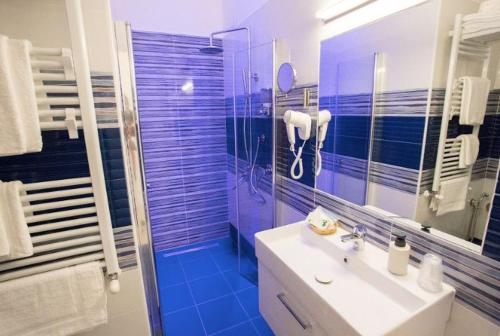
(202, 293)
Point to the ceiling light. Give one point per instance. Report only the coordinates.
(339, 8)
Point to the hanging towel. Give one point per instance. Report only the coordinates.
(56, 303)
(21, 64)
(13, 221)
(454, 195)
(12, 141)
(19, 119)
(475, 94)
(490, 6)
(4, 242)
(469, 149)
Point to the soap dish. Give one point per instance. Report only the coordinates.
(328, 231)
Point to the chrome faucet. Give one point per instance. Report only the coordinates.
(358, 237)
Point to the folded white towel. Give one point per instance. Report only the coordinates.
(12, 141)
(56, 303)
(4, 241)
(469, 149)
(320, 219)
(475, 92)
(489, 6)
(13, 222)
(454, 195)
(19, 119)
(26, 93)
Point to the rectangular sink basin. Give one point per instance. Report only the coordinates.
(363, 298)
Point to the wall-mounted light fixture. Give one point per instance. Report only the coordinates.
(339, 8)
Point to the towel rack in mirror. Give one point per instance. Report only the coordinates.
(446, 167)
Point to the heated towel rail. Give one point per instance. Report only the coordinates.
(447, 160)
(68, 220)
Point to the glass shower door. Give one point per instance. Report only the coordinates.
(254, 114)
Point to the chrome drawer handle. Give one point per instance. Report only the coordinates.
(303, 323)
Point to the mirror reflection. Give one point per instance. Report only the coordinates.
(413, 129)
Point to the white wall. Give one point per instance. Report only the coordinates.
(237, 11)
(293, 23)
(22, 19)
(188, 17)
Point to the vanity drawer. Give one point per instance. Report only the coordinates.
(283, 312)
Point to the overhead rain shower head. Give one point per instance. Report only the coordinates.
(211, 50)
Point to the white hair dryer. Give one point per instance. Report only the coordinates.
(324, 118)
(302, 121)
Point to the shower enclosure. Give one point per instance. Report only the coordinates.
(199, 120)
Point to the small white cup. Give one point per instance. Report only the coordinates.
(430, 277)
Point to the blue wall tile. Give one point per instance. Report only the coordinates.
(397, 140)
(183, 134)
(63, 158)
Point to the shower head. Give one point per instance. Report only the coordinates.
(211, 50)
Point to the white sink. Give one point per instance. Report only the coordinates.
(362, 299)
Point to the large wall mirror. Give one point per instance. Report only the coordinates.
(410, 135)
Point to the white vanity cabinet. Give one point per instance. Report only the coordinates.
(282, 310)
(363, 297)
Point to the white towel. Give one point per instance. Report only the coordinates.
(55, 303)
(13, 221)
(4, 241)
(19, 119)
(454, 195)
(475, 94)
(469, 149)
(26, 94)
(12, 141)
(489, 6)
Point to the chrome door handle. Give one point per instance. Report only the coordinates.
(303, 323)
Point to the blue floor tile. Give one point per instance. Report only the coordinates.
(227, 261)
(262, 327)
(237, 281)
(245, 329)
(162, 260)
(193, 255)
(169, 274)
(175, 297)
(200, 267)
(182, 323)
(225, 245)
(249, 298)
(210, 287)
(221, 313)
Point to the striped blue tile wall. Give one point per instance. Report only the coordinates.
(183, 131)
(398, 129)
(491, 246)
(398, 132)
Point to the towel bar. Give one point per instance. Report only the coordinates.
(59, 239)
(447, 160)
(68, 220)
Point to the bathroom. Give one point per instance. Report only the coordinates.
(266, 167)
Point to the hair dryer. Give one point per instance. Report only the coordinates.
(302, 121)
(324, 118)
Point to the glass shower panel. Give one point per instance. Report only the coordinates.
(346, 90)
(254, 131)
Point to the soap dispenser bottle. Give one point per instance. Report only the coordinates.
(399, 254)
